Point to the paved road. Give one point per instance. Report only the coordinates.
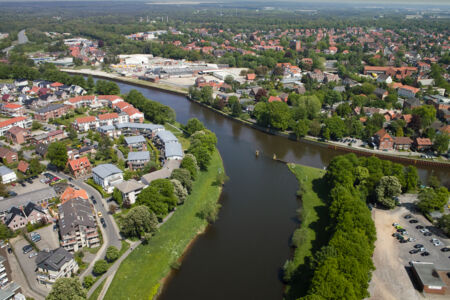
(22, 37)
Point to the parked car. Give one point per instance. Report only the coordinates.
(408, 216)
(414, 251)
(26, 249)
(411, 239)
(32, 254)
(36, 238)
(424, 230)
(419, 227)
(99, 214)
(427, 234)
(425, 253)
(418, 246)
(395, 224)
(413, 221)
(102, 220)
(445, 249)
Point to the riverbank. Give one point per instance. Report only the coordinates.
(311, 235)
(310, 140)
(142, 273)
(133, 81)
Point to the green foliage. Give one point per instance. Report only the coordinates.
(189, 163)
(387, 189)
(138, 221)
(153, 111)
(444, 223)
(336, 128)
(100, 267)
(159, 197)
(441, 143)
(179, 190)
(67, 288)
(36, 167)
(112, 253)
(104, 87)
(5, 232)
(411, 178)
(88, 281)
(57, 154)
(301, 128)
(117, 196)
(426, 113)
(210, 212)
(36, 125)
(193, 125)
(275, 114)
(184, 177)
(202, 146)
(433, 199)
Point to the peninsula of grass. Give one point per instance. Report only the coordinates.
(311, 235)
(141, 273)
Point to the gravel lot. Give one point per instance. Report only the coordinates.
(36, 185)
(391, 279)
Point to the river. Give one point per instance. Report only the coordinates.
(241, 255)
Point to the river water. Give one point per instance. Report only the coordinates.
(241, 255)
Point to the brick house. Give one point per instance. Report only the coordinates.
(80, 167)
(421, 144)
(402, 143)
(7, 156)
(51, 112)
(19, 217)
(23, 166)
(384, 140)
(17, 135)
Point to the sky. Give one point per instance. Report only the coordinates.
(441, 2)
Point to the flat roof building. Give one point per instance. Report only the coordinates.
(428, 278)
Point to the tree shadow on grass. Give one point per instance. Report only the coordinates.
(301, 278)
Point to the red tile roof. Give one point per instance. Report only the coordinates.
(108, 116)
(79, 163)
(423, 142)
(12, 106)
(11, 121)
(22, 166)
(87, 119)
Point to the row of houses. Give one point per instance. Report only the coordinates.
(386, 142)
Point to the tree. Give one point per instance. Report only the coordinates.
(412, 178)
(159, 197)
(444, 223)
(36, 125)
(210, 212)
(179, 190)
(193, 125)
(5, 232)
(387, 189)
(336, 127)
(88, 281)
(137, 221)
(235, 105)
(427, 114)
(112, 253)
(190, 163)
(57, 154)
(36, 167)
(107, 87)
(117, 196)
(67, 288)
(184, 177)
(100, 267)
(301, 128)
(90, 84)
(433, 199)
(441, 143)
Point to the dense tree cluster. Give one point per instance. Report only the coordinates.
(153, 111)
(202, 146)
(67, 288)
(138, 221)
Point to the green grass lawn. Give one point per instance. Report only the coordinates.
(311, 235)
(140, 274)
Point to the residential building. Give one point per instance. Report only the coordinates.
(165, 137)
(55, 135)
(55, 264)
(17, 135)
(23, 166)
(130, 189)
(7, 175)
(77, 225)
(41, 149)
(9, 290)
(384, 140)
(72, 193)
(85, 123)
(138, 160)
(15, 219)
(109, 130)
(108, 119)
(39, 197)
(80, 167)
(19, 217)
(383, 78)
(8, 156)
(402, 143)
(422, 144)
(407, 91)
(412, 103)
(107, 176)
(381, 93)
(13, 109)
(136, 143)
(51, 111)
(16, 121)
(173, 151)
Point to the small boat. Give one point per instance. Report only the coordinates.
(274, 156)
(257, 153)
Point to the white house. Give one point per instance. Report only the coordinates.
(55, 264)
(107, 176)
(130, 189)
(7, 175)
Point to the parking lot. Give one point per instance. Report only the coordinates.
(392, 277)
(49, 240)
(26, 187)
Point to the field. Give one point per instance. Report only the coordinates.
(140, 274)
(311, 235)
